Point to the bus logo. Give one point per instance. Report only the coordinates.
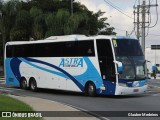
(71, 62)
(135, 84)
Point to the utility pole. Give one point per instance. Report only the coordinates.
(138, 34)
(141, 9)
(143, 26)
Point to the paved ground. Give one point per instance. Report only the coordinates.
(154, 82)
(39, 104)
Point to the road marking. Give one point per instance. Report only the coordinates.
(152, 91)
(155, 95)
(5, 88)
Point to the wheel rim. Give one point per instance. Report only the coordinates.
(33, 85)
(91, 88)
(24, 83)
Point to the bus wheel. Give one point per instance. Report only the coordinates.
(91, 89)
(23, 83)
(33, 85)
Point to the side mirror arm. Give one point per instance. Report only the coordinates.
(120, 66)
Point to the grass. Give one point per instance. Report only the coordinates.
(11, 104)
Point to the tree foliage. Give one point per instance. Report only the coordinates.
(21, 29)
(8, 14)
(43, 18)
(38, 23)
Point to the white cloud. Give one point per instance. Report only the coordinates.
(117, 20)
(121, 22)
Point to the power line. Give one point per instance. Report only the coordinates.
(117, 8)
(156, 15)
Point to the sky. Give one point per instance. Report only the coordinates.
(123, 23)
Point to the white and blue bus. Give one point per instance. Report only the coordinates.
(93, 65)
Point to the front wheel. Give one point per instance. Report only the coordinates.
(91, 89)
(33, 85)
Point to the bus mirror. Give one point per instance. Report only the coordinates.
(120, 66)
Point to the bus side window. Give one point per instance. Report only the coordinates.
(86, 48)
(9, 51)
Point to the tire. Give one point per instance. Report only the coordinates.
(91, 89)
(23, 84)
(33, 85)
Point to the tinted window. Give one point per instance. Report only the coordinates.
(105, 58)
(57, 49)
(86, 48)
(104, 48)
(127, 48)
(20, 51)
(70, 49)
(9, 51)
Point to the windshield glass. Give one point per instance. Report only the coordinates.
(130, 54)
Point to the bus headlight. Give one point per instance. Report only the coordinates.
(122, 84)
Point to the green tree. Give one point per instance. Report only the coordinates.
(76, 23)
(8, 13)
(56, 22)
(38, 23)
(108, 31)
(39, 19)
(62, 23)
(22, 29)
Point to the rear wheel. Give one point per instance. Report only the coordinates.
(91, 89)
(33, 85)
(23, 84)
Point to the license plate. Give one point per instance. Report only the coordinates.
(136, 90)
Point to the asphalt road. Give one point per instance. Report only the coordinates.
(144, 102)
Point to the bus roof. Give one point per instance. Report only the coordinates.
(67, 38)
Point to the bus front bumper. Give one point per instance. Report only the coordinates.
(120, 90)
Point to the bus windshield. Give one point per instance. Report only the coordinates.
(130, 54)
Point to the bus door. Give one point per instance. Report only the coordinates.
(105, 58)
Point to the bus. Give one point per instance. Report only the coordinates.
(108, 65)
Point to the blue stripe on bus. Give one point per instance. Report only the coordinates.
(55, 67)
(15, 63)
(44, 69)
